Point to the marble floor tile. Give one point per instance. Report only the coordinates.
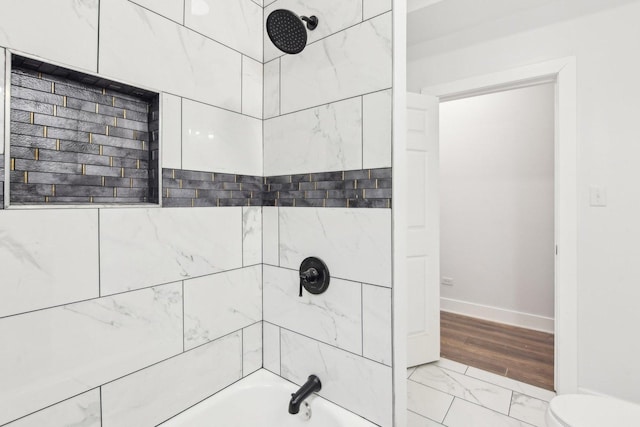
(511, 384)
(528, 409)
(427, 401)
(464, 387)
(415, 420)
(467, 414)
(452, 365)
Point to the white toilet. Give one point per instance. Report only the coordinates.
(582, 410)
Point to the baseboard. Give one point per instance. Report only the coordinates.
(495, 314)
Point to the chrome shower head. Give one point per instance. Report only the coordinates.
(287, 31)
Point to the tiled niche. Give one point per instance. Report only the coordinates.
(80, 139)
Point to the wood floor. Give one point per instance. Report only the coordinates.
(517, 353)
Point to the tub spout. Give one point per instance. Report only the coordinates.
(312, 385)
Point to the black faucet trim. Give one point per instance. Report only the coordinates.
(312, 385)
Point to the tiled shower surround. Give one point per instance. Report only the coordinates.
(149, 310)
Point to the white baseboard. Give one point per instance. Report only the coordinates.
(500, 315)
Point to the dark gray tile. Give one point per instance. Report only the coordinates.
(335, 203)
(306, 177)
(36, 95)
(176, 203)
(285, 202)
(282, 179)
(380, 193)
(233, 202)
(83, 190)
(19, 116)
(381, 173)
(310, 203)
(307, 186)
(315, 194)
(384, 183)
(113, 141)
(44, 166)
(26, 105)
(356, 174)
(327, 176)
(213, 194)
(368, 203)
(366, 183)
(58, 178)
(224, 177)
(193, 175)
(85, 116)
(292, 194)
(26, 129)
(180, 193)
(330, 185)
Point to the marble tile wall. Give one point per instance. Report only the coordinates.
(100, 308)
(327, 110)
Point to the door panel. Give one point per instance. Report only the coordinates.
(423, 235)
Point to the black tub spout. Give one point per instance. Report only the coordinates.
(312, 385)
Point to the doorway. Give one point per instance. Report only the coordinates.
(496, 153)
(563, 72)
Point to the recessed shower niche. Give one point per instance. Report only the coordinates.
(80, 139)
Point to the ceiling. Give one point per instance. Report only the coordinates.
(428, 20)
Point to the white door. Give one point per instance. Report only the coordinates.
(423, 233)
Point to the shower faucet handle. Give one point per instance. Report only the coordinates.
(310, 275)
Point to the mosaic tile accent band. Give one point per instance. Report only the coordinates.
(73, 142)
(368, 188)
(1, 181)
(184, 188)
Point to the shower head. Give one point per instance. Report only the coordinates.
(287, 32)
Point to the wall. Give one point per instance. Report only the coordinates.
(607, 87)
(328, 109)
(496, 205)
(126, 316)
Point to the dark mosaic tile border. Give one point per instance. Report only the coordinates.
(367, 188)
(1, 181)
(75, 142)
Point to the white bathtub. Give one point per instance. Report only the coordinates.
(262, 400)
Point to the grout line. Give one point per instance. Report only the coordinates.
(184, 13)
(337, 348)
(362, 319)
(98, 47)
(362, 129)
(123, 292)
(341, 278)
(101, 416)
(183, 319)
(191, 29)
(422, 416)
(181, 134)
(99, 260)
(242, 353)
(448, 409)
(279, 88)
(241, 81)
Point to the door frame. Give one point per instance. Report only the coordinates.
(563, 72)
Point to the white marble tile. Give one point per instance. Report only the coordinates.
(237, 24)
(48, 257)
(222, 303)
(354, 243)
(371, 8)
(511, 384)
(49, 355)
(2, 98)
(252, 81)
(528, 409)
(333, 317)
(171, 9)
(271, 347)
(82, 410)
(427, 402)
(415, 420)
(251, 235)
(353, 62)
(154, 394)
(217, 140)
(326, 138)
(333, 16)
(267, 2)
(171, 137)
(363, 386)
(467, 414)
(140, 47)
(258, 2)
(376, 129)
(71, 38)
(464, 387)
(376, 323)
(410, 371)
(452, 365)
(251, 348)
(272, 89)
(146, 247)
(270, 236)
